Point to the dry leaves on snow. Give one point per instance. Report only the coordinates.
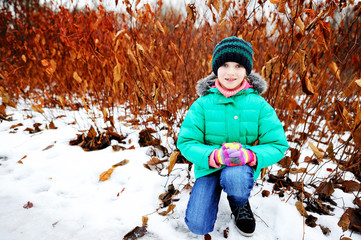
(96, 141)
(167, 199)
(104, 176)
(146, 138)
(138, 231)
(172, 161)
(351, 219)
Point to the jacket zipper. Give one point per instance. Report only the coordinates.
(226, 123)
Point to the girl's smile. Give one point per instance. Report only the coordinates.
(230, 79)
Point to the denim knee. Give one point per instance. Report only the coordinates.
(237, 182)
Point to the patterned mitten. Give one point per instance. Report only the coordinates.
(233, 154)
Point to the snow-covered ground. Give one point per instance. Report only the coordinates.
(69, 201)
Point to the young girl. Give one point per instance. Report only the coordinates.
(230, 133)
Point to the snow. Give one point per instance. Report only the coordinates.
(69, 201)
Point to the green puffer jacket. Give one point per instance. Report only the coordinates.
(245, 118)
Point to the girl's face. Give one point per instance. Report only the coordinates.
(231, 75)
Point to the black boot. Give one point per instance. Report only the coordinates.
(244, 219)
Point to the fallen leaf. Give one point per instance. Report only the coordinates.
(60, 116)
(17, 125)
(145, 221)
(48, 147)
(352, 219)
(136, 233)
(301, 209)
(72, 123)
(344, 221)
(325, 230)
(3, 114)
(52, 125)
(30, 130)
(226, 232)
(146, 138)
(311, 221)
(264, 172)
(155, 161)
(330, 151)
(120, 192)
(311, 160)
(20, 161)
(121, 163)
(298, 170)
(37, 127)
(285, 162)
(350, 186)
(317, 206)
(265, 193)
(315, 150)
(172, 161)
(167, 197)
(170, 209)
(28, 205)
(92, 133)
(54, 224)
(147, 166)
(106, 175)
(325, 189)
(117, 148)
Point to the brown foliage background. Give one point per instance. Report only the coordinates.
(148, 60)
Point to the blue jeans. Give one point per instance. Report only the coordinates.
(201, 213)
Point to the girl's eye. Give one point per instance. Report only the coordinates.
(238, 66)
(224, 65)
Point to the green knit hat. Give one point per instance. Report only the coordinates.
(233, 49)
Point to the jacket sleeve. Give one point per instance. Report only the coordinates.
(191, 141)
(272, 139)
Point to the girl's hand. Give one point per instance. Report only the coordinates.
(233, 154)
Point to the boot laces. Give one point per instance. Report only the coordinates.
(243, 213)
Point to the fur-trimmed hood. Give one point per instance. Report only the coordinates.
(259, 84)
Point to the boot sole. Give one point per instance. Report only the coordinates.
(243, 233)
